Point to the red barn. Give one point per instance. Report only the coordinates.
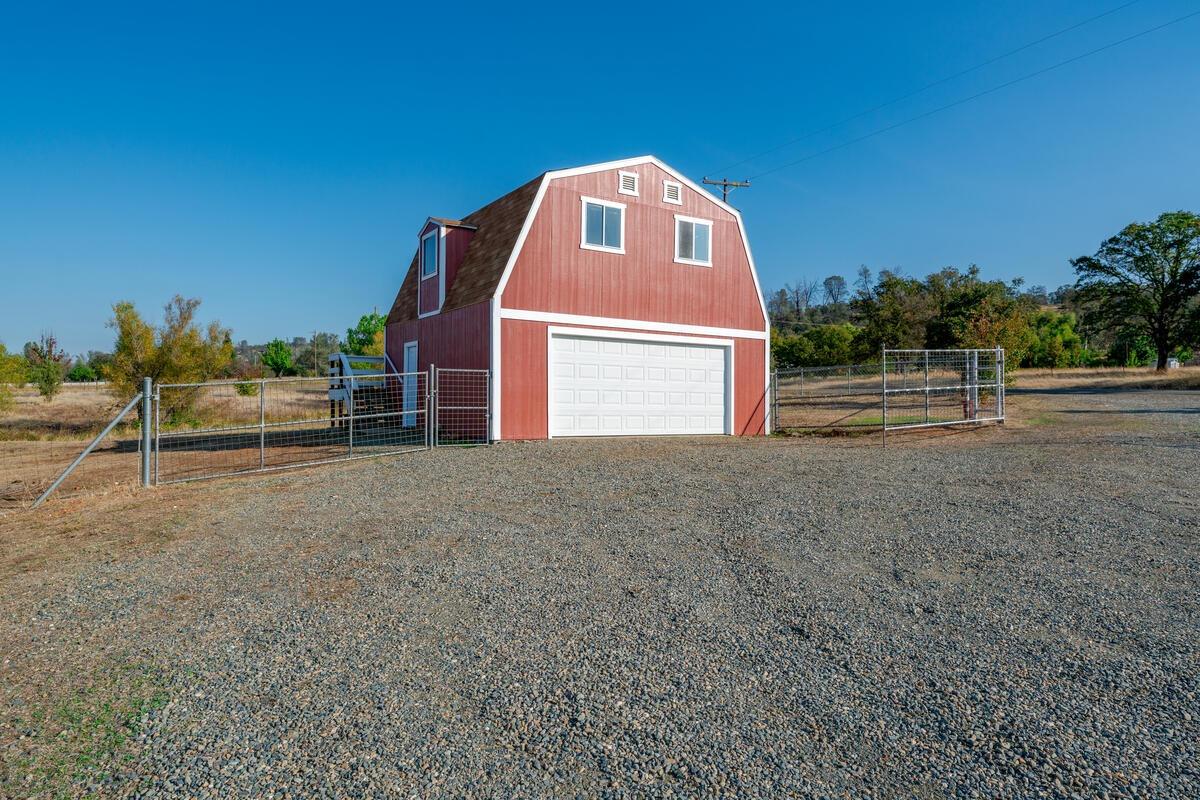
(612, 299)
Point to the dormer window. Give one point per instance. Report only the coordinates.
(429, 254)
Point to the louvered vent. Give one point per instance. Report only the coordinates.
(672, 193)
(628, 183)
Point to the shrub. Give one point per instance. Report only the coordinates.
(81, 373)
(47, 366)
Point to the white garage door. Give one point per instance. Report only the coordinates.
(615, 387)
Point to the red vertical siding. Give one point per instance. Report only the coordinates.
(457, 339)
(523, 404)
(553, 273)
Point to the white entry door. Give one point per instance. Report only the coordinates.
(602, 386)
(410, 384)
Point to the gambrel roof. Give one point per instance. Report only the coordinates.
(499, 229)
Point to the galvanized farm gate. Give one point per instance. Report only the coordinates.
(905, 389)
(219, 428)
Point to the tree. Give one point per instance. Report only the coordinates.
(835, 289)
(178, 351)
(278, 356)
(367, 335)
(48, 365)
(315, 355)
(1055, 342)
(81, 372)
(13, 372)
(1147, 279)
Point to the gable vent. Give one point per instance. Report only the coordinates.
(672, 193)
(628, 183)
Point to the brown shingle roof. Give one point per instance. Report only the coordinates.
(498, 224)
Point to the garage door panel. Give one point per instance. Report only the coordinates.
(612, 386)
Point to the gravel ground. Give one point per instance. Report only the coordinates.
(1003, 613)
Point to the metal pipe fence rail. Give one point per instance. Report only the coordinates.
(906, 389)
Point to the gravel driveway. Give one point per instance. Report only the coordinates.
(1004, 613)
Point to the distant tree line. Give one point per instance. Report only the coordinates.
(1135, 302)
(180, 349)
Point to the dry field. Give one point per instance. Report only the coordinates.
(1003, 612)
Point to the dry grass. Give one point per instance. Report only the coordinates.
(1086, 378)
(79, 411)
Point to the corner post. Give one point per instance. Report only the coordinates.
(147, 390)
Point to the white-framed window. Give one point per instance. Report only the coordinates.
(672, 193)
(603, 225)
(429, 254)
(693, 241)
(627, 183)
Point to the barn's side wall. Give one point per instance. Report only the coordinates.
(524, 402)
(553, 273)
(457, 339)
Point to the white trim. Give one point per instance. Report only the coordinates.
(410, 380)
(584, 244)
(637, 324)
(636, 336)
(436, 265)
(494, 362)
(527, 225)
(678, 201)
(440, 232)
(637, 182)
(695, 262)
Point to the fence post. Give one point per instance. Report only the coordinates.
(847, 381)
(157, 428)
(883, 417)
(147, 385)
(431, 408)
(350, 405)
(926, 387)
(262, 424)
(973, 382)
(1000, 383)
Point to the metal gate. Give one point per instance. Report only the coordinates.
(461, 410)
(219, 428)
(936, 388)
(905, 389)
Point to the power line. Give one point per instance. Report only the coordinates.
(929, 86)
(977, 95)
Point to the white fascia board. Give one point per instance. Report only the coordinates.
(634, 324)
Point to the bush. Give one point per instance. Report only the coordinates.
(47, 366)
(81, 373)
(13, 370)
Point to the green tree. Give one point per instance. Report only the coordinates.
(367, 336)
(48, 366)
(315, 355)
(1146, 279)
(177, 351)
(81, 372)
(278, 356)
(13, 372)
(1055, 341)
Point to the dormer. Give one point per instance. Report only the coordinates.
(441, 245)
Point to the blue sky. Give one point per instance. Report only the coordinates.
(276, 162)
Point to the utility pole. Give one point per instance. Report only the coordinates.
(727, 186)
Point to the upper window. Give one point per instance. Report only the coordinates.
(429, 254)
(627, 183)
(693, 241)
(603, 225)
(672, 193)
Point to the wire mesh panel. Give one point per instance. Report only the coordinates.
(845, 396)
(229, 427)
(461, 414)
(40, 439)
(926, 388)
